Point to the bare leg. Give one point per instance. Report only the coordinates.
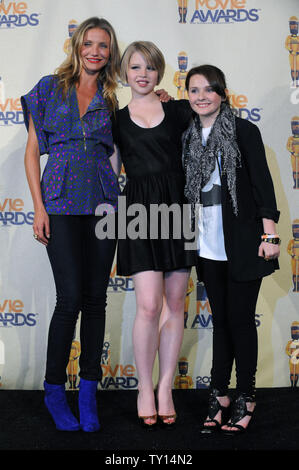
(171, 335)
(149, 299)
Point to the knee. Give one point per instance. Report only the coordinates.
(241, 323)
(70, 303)
(93, 303)
(175, 304)
(150, 309)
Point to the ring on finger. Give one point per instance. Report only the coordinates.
(35, 236)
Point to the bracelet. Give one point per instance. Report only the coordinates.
(268, 238)
(269, 235)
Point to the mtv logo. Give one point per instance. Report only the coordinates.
(2, 355)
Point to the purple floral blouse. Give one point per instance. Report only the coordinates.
(78, 175)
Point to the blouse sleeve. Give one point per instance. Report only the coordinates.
(255, 158)
(34, 105)
(183, 113)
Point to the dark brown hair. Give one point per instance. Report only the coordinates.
(214, 76)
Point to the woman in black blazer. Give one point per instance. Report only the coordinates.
(230, 189)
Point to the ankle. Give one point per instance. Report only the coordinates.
(88, 405)
(149, 388)
(88, 386)
(221, 396)
(250, 405)
(246, 398)
(56, 403)
(224, 401)
(146, 403)
(164, 389)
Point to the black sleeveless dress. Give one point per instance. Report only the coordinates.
(152, 158)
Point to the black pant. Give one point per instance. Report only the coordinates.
(233, 307)
(81, 265)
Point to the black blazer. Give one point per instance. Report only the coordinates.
(256, 200)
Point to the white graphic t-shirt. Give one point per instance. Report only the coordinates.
(211, 240)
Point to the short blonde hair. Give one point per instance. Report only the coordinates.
(152, 55)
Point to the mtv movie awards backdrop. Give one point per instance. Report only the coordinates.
(256, 43)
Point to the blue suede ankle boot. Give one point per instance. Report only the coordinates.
(55, 401)
(89, 420)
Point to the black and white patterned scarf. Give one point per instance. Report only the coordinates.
(199, 160)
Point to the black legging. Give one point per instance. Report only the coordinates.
(234, 329)
(81, 265)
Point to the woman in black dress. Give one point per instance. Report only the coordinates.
(148, 135)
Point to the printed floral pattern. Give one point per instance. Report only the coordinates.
(78, 175)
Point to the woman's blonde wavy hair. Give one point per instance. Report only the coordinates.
(69, 71)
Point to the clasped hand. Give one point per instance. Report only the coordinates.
(269, 251)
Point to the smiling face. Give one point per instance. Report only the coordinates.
(204, 100)
(95, 50)
(141, 77)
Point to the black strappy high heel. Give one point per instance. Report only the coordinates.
(213, 408)
(239, 411)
